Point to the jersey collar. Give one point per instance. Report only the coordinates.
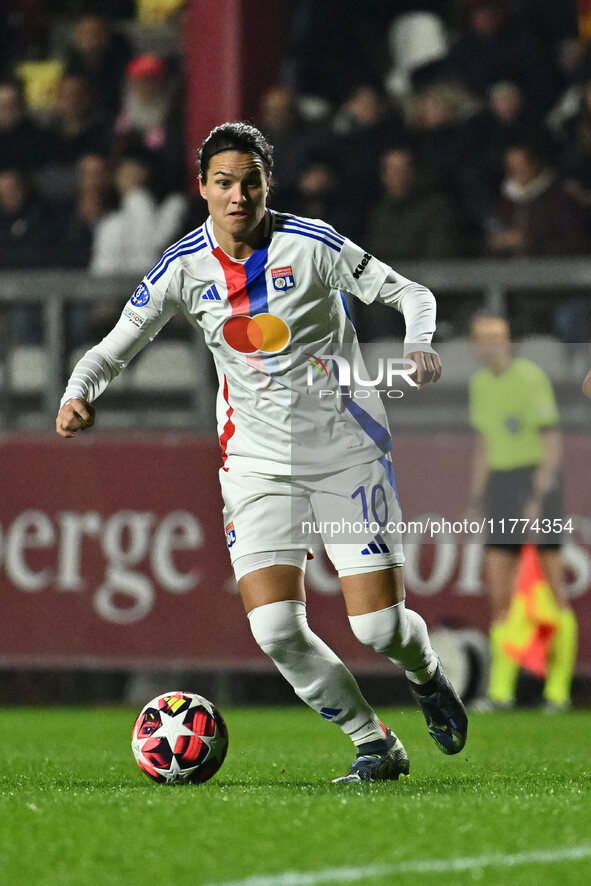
(213, 243)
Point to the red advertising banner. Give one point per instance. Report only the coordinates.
(112, 552)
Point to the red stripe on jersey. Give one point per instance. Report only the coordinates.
(235, 274)
(229, 426)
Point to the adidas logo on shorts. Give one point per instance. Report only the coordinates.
(376, 547)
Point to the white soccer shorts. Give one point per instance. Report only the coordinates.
(354, 512)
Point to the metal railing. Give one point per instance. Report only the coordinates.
(53, 290)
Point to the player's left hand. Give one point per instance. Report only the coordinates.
(428, 367)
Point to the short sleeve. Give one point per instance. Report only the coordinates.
(474, 403)
(542, 406)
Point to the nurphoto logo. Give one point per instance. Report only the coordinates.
(346, 372)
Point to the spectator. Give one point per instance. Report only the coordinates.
(23, 143)
(363, 129)
(77, 126)
(149, 122)
(575, 136)
(31, 236)
(510, 120)
(575, 64)
(413, 219)
(100, 56)
(95, 197)
(449, 131)
(75, 129)
(319, 194)
(493, 47)
(534, 215)
(29, 227)
(291, 136)
(131, 238)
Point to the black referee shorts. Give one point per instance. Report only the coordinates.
(507, 494)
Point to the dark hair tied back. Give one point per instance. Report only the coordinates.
(234, 137)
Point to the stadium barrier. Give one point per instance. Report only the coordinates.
(32, 377)
(112, 553)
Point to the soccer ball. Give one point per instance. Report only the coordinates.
(179, 737)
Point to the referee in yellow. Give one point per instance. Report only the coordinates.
(516, 474)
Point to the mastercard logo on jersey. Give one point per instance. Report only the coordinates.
(263, 333)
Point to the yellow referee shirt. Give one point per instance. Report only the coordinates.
(510, 410)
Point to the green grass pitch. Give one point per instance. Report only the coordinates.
(75, 809)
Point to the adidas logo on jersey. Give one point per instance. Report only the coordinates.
(376, 547)
(212, 294)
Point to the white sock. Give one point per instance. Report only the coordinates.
(316, 674)
(401, 635)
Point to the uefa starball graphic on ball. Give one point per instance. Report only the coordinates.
(179, 737)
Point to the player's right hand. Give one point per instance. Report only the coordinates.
(75, 415)
(428, 367)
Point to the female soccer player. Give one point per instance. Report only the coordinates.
(266, 288)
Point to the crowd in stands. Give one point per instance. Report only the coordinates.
(448, 129)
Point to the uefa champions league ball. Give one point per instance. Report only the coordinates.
(179, 737)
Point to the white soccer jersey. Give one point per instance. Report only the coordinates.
(266, 320)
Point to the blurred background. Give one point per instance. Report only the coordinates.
(452, 139)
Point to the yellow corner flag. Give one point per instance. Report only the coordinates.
(533, 618)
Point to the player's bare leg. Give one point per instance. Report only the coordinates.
(563, 653)
(372, 591)
(500, 569)
(274, 600)
(271, 585)
(379, 619)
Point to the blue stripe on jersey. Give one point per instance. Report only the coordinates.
(327, 230)
(192, 235)
(282, 230)
(195, 238)
(208, 235)
(256, 281)
(189, 251)
(313, 229)
(346, 307)
(378, 433)
(386, 463)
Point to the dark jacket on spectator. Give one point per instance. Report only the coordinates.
(29, 236)
(544, 214)
(422, 224)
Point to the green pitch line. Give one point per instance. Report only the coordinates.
(74, 807)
